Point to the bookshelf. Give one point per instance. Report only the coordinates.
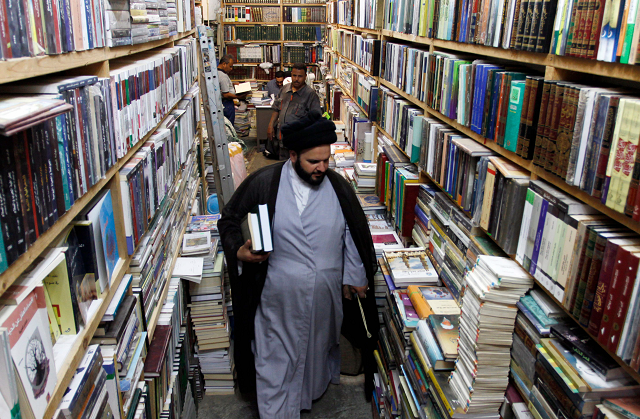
(551, 66)
(281, 23)
(94, 62)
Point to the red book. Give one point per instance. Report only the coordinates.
(622, 261)
(158, 348)
(622, 306)
(411, 191)
(611, 252)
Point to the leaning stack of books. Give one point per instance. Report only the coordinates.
(364, 178)
(486, 328)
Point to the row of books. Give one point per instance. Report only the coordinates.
(133, 22)
(252, 33)
(89, 137)
(360, 49)
(304, 33)
(523, 114)
(359, 85)
(255, 53)
(558, 27)
(305, 14)
(251, 14)
(283, 2)
(54, 28)
(302, 53)
(361, 13)
(252, 72)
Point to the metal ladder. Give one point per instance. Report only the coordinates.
(213, 111)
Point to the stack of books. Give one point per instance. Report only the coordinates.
(486, 327)
(364, 179)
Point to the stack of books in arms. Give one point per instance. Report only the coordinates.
(486, 326)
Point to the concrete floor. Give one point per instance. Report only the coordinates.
(344, 401)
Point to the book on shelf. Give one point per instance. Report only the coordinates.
(429, 300)
(31, 351)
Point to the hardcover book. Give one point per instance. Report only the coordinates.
(445, 330)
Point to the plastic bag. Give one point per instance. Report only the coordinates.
(238, 169)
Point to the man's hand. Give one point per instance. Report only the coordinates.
(270, 132)
(245, 255)
(349, 290)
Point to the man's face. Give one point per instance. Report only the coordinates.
(312, 164)
(279, 81)
(298, 78)
(228, 66)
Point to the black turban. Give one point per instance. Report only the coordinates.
(309, 132)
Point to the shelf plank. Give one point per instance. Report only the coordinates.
(26, 259)
(82, 341)
(84, 337)
(624, 365)
(153, 322)
(24, 68)
(526, 164)
(356, 29)
(573, 64)
(358, 66)
(348, 93)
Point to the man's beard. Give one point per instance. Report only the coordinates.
(304, 175)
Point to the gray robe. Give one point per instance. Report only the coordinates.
(297, 324)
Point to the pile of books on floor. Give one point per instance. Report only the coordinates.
(208, 306)
(242, 122)
(486, 327)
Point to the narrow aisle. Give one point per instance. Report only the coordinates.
(344, 401)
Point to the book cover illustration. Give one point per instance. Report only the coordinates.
(109, 239)
(410, 265)
(9, 406)
(445, 329)
(204, 223)
(369, 201)
(31, 349)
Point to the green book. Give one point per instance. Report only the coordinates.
(516, 98)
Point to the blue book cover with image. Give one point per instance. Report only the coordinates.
(109, 238)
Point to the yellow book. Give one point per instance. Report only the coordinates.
(432, 300)
(564, 366)
(53, 322)
(57, 284)
(426, 366)
(622, 154)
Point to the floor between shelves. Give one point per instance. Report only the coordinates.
(343, 401)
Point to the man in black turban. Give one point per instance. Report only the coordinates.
(291, 305)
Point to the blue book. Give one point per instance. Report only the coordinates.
(109, 237)
(536, 246)
(495, 100)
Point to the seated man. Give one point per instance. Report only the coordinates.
(274, 86)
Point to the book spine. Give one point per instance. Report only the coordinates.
(26, 202)
(544, 109)
(556, 116)
(605, 149)
(602, 288)
(9, 228)
(622, 263)
(584, 272)
(592, 281)
(48, 148)
(621, 307)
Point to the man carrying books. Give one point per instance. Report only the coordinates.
(290, 304)
(227, 89)
(295, 103)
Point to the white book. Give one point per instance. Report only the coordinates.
(118, 297)
(196, 242)
(189, 268)
(265, 228)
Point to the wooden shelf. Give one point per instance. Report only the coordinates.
(83, 339)
(623, 364)
(304, 23)
(153, 322)
(573, 64)
(358, 66)
(26, 259)
(525, 164)
(24, 68)
(356, 29)
(348, 93)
